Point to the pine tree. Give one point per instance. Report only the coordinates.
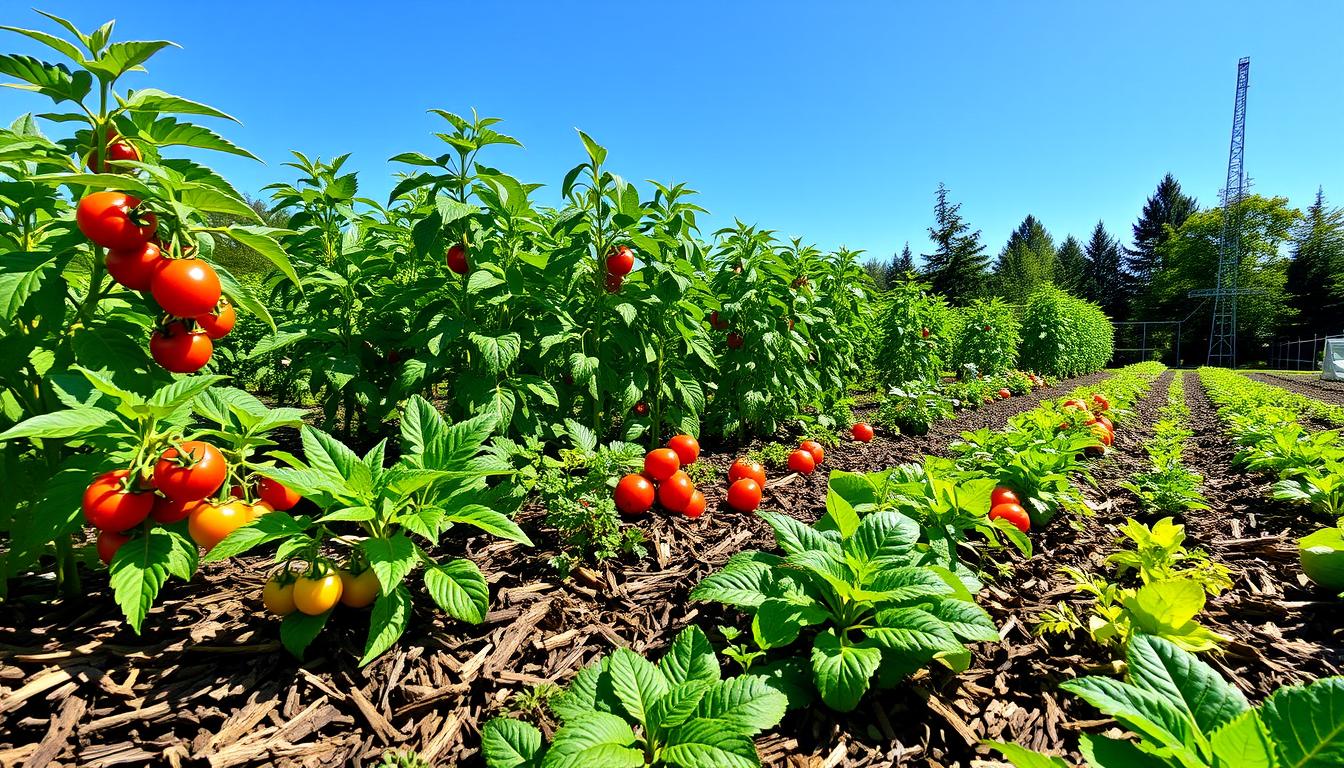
(1106, 282)
(902, 265)
(1164, 212)
(1027, 261)
(1316, 272)
(1071, 268)
(957, 268)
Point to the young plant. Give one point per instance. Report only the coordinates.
(625, 710)
(877, 612)
(1159, 554)
(915, 407)
(1186, 716)
(438, 481)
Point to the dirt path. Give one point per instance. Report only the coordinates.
(1312, 386)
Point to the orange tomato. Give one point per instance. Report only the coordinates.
(208, 524)
(359, 591)
(318, 593)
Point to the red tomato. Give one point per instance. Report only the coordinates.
(108, 544)
(1107, 422)
(1013, 513)
(180, 350)
(186, 288)
(196, 476)
(168, 511)
(814, 448)
(116, 152)
(641, 408)
(675, 492)
(634, 494)
(276, 495)
(742, 468)
(1004, 394)
(620, 261)
(613, 283)
(110, 507)
(1102, 401)
(925, 333)
(1003, 495)
(661, 463)
(208, 524)
(696, 506)
(862, 431)
(802, 461)
(744, 495)
(716, 323)
(218, 324)
(135, 268)
(457, 258)
(109, 219)
(734, 340)
(686, 447)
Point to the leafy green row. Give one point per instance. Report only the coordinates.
(916, 406)
(1169, 487)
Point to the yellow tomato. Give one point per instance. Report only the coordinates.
(278, 598)
(359, 591)
(318, 595)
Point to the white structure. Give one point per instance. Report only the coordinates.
(1333, 369)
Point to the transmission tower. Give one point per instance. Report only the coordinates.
(1223, 334)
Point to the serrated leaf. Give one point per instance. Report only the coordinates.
(510, 743)
(387, 622)
(459, 588)
(391, 558)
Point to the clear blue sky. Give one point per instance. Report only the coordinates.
(833, 121)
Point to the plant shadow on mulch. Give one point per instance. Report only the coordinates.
(208, 684)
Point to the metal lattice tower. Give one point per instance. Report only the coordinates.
(1223, 334)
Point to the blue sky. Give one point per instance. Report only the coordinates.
(833, 121)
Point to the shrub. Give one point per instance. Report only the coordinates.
(1065, 336)
(904, 352)
(986, 334)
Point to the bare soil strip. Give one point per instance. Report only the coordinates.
(1312, 386)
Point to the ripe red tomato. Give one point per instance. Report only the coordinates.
(109, 219)
(168, 511)
(744, 495)
(613, 283)
(186, 287)
(802, 461)
(180, 350)
(634, 494)
(1003, 495)
(661, 463)
(208, 524)
(135, 268)
(359, 591)
(116, 152)
(696, 506)
(1102, 401)
(276, 494)
(686, 447)
(457, 258)
(814, 448)
(734, 340)
(1004, 394)
(109, 506)
(620, 261)
(108, 544)
(925, 333)
(218, 324)
(278, 597)
(197, 475)
(1013, 513)
(862, 431)
(716, 323)
(641, 408)
(742, 468)
(317, 593)
(1109, 424)
(675, 492)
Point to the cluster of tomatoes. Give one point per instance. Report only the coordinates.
(185, 287)
(620, 261)
(805, 459)
(178, 486)
(1004, 503)
(664, 479)
(319, 588)
(1097, 422)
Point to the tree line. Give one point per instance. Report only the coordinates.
(1292, 259)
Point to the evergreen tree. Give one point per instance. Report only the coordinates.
(957, 268)
(1027, 261)
(902, 265)
(1105, 280)
(1071, 272)
(878, 272)
(1316, 271)
(1164, 212)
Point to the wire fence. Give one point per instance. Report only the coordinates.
(1302, 354)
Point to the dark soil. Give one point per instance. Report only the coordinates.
(208, 683)
(1312, 386)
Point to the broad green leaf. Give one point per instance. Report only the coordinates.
(153, 100)
(391, 558)
(636, 682)
(138, 572)
(1190, 685)
(489, 521)
(675, 707)
(260, 241)
(510, 743)
(1243, 742)
(742, 584)
(882, 538)
(71, 423)
(1106, 752)
(779, 619)
(703, 743)
(1025, 758)
(459, 588)
(794, 536)
(267, 528)
(594, 740)
(1307, 723)
(841, 670)
(498, 352)
(298, 630)
(387, 622)
(746, 704)
(691, 658)
(967, 620)
(1147, 714)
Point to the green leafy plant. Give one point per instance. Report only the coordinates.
(914, 408)
(1159, 554)
(912, 330)
(1064, 336)
(626, 710)
(986, 334)
(1186, 716)
(870, 608)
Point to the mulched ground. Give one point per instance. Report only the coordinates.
(1311, 386)
(208, 684)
